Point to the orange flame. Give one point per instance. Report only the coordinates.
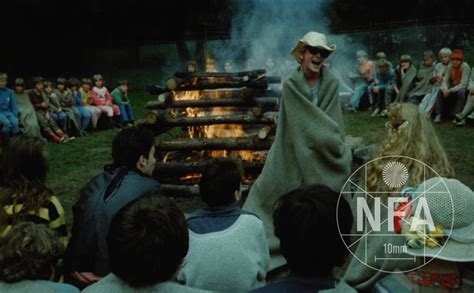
(215, 131)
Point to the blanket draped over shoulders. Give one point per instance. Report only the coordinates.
(308, 149)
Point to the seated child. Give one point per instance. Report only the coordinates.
(224, 239)
(55, 110)
(305, 223)
(147, 242)
(8, 110)
(120, 95)
(83, 116)
(86, 93)
(28, 120)
(29, 256)
(41, 105)
(67, 103)
(103, 100)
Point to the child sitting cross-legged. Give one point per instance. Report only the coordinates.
(224, 239)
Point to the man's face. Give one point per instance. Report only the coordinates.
(99, 83)
(444, 59)
(48, 90)
(312, 62)
(147, 166)
(61, 87)
(3, 83)
(86, 87)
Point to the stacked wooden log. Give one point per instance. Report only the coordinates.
(247, 101)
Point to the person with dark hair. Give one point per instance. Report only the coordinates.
(147, 241)
(128, 178)
(308, 221)
(27, 118)
(67, 101)
(120, 96)
(24, 195)
(402, 82)
(40, 102)
(86, 93)
(83, 116)
(224, 239)
(29, 256)
(55, 110)
(8, 110)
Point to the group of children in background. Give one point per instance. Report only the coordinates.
(72, 108)
(444, 90)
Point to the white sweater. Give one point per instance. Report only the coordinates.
(232, 260)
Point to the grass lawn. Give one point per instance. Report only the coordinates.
(73, 164)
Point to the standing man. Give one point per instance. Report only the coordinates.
(309, 145)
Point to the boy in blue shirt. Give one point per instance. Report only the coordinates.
(8, 110)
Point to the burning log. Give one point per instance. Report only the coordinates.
(251, 74)
(180, 168)
(164, 102)
(240, 143)
(211, 120)
(178, 84)
(179, 190)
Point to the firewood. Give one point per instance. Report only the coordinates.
(183, 168)
(267, 103)
(240, 143)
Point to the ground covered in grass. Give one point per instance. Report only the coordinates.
(73, 164)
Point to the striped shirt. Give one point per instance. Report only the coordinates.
(51, 213)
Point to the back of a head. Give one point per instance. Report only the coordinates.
(29, 252)
(220, 180)
(23, 159)
(305, 222)
(147, 241)
(130, 144)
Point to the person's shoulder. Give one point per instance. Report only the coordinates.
(142, 179)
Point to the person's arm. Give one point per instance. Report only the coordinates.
(78, 98)
(53, 103)
(446, 77)
(108, 98)
(96, 99)
(58, 220)
(465, 72)
(117, 96)
(13, 105)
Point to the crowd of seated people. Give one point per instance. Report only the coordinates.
(59, 112)
(127, 237)
(444, 89)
